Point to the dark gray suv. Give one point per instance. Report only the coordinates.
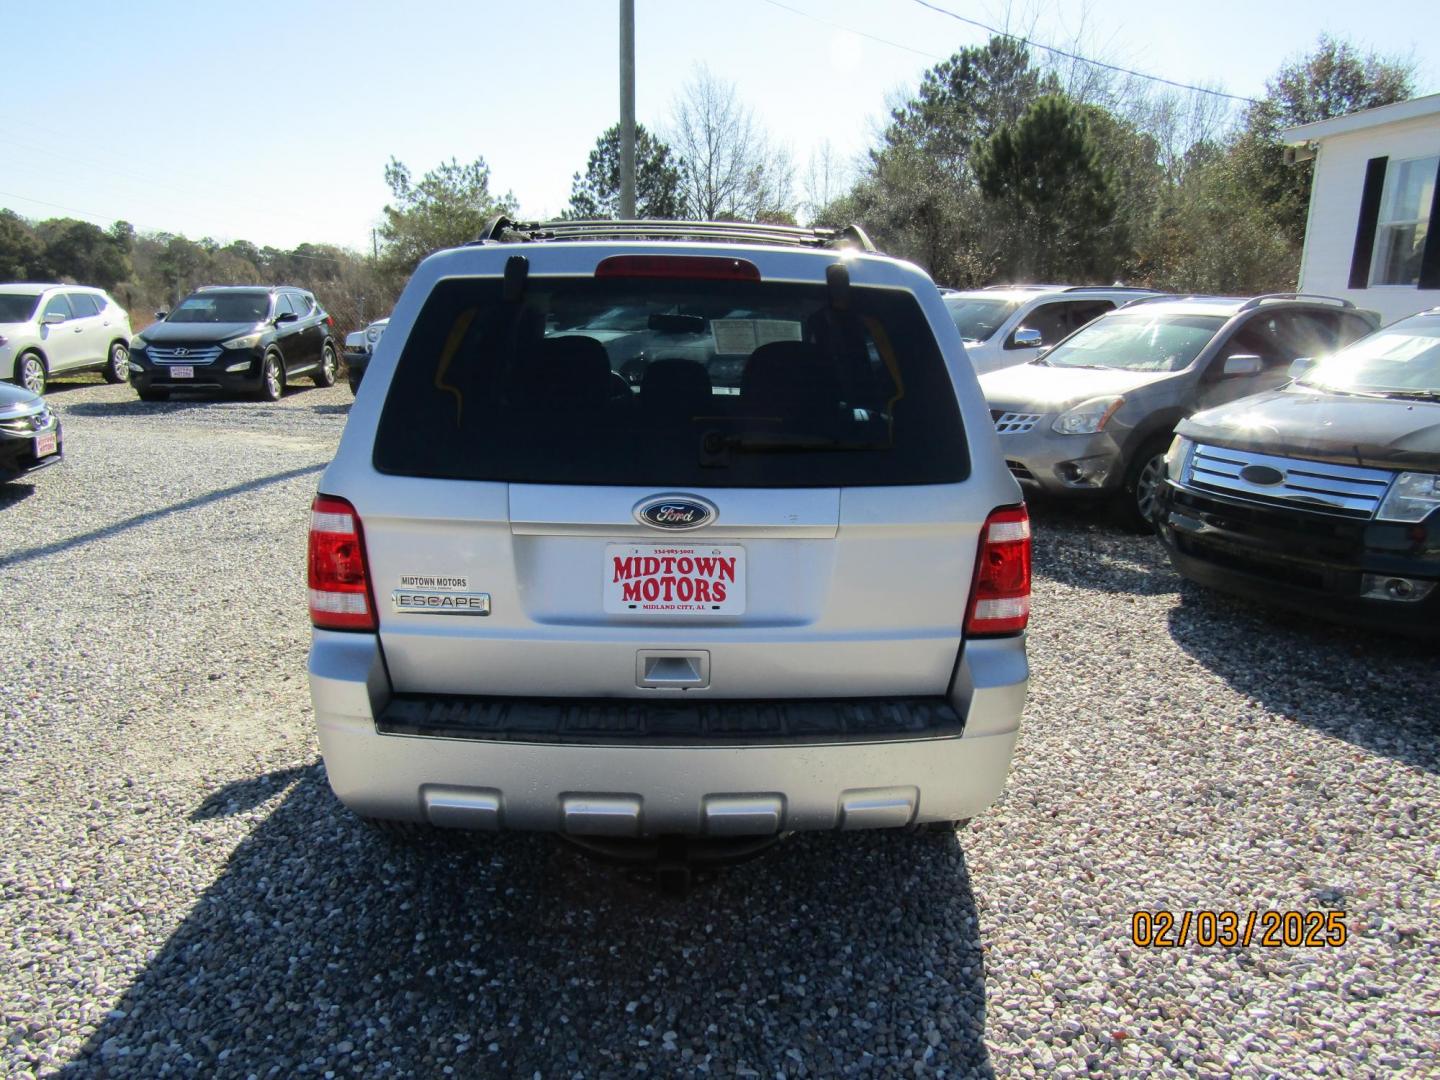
(1093, 416)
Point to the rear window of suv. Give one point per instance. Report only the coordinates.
(671, 383)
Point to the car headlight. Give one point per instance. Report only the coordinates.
(249, 341)
(137, 343)
(1177, 458)
(372, 335)
(1411, 497)
(1088, 417)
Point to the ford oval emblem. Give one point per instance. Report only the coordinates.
(675, 512)
(1262, 475)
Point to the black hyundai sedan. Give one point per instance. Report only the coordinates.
(30, 437)
(1322, 496)
(240, 339)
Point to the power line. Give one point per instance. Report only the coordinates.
(1086, 59)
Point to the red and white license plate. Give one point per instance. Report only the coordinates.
(45, 445)
(674, 579)
(182, 371)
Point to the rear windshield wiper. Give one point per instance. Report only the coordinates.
(716, 447)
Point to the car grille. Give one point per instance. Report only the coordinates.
(24, 425)
(1014, 423)
(1019, 470)
(197, 355)
(1349, 490)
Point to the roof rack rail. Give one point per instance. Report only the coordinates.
(1256, 301)
(503, 230)
(1152, 299)
(1109, 288)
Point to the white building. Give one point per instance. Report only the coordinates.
(1373, 234)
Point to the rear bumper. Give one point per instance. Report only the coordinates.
(643, 790)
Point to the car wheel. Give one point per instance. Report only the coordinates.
(154, 395)
(117, 368)
(329, 366)
(272, 378)
(30, 373)
(1136, 507)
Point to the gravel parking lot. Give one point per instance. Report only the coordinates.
(181, 895)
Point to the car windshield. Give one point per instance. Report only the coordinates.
(978, 319)
(17, 307)
(1136, 342)
(1404, 358)
(222, 308)
(715, 384)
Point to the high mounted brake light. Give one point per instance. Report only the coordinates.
(691, 267)
(1000, 598)
(340, 596)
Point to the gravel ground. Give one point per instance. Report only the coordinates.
(181, 895)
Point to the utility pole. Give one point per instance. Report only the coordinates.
(627, 108)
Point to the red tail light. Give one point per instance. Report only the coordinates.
(340, 596)
(693, 267)
(1000, 599)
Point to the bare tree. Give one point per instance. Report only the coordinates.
(827, 177)
(729, 167)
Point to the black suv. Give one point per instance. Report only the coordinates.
(249, 338)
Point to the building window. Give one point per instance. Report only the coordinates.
(1404, 221)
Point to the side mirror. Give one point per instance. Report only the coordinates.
(53, 318)
(1303, 366)
(1244, 364)
(285, 316)
(162, 314)
(1025, 338)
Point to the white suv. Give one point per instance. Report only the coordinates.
(1005, 325)
(676, 602)
(49, 329)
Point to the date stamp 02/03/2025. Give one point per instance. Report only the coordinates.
(1228, 929)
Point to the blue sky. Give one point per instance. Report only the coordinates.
(272, 121)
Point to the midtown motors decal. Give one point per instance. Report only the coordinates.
(674, 579)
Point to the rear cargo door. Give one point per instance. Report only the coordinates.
(575, 495)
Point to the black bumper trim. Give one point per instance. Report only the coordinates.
(634, 721)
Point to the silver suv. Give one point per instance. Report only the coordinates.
(1093, 416)
(49, 330)
(547, 595)
(1005, 325)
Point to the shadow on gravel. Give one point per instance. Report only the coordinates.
(54, 386)
(27, 554)
(1374, 690)
(132, 407)
(245, 795)
(323, 946)
(331, 410)
(1079, 544)
(12, 493)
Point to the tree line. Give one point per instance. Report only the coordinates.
(999, 167)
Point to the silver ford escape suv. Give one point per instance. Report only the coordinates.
(653, 529)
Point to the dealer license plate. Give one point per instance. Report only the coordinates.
(182, 371)
(45, 445)
(674, 579)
